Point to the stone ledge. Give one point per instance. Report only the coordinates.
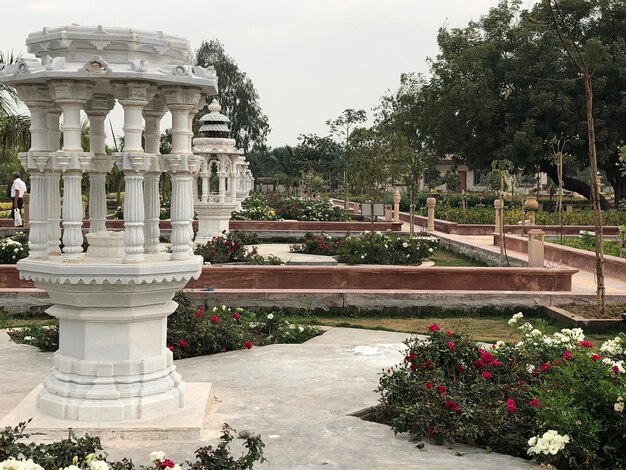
(590, 324)
(184, 425)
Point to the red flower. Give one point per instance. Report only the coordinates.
(427, 364)
(449, 334)
(615, 370)
(413, 366)
(544, 367)
(236, 316)
(586, 344)
(568, 356)
(487, 375)
(596, 357)
(432, 432)
(182, 343)
(200, 311)
(534, 403)
(215, 319)
(451, 345)
(429, 385)
(486, 356)
(410, 357)
(496, 363)
(171, 348)
(247, 344)
(479, 364)
(511, 406)
(460, 369)
(434, 327)
(442, 389)
(453, 406)
(167, 463)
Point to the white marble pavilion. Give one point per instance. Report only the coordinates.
(112, 301)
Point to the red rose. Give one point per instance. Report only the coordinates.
(596, 357)
(534, 403)
(427, 364)
(568, 356)
(586, 344)
(479, 364)
(544, 367)
(429, 385)
(432, 432)
(434, 327)
(449, 334)
(486, 356)
(615, 370)
(247, 345)
(182, 343)
(171, 348)
(236, 316)
(413, 366)
(453, 406)
(511, 406)
(496, 363)
(167, 463)
(487, 375)
(215, 319)
(451, 345)
(442, 389)
(200, 311)
(460, 369)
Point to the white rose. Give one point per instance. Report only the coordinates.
(270, 316)
(98, 465)
(157, 456)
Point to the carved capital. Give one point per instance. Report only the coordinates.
(71, 90)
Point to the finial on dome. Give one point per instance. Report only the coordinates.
(214, 107)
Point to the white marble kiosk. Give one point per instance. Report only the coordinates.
(112, 301)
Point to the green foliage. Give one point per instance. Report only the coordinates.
(85, 452)
(255, 207)
(225, 249)
(277, 206)
(317, 245)
(45, 338)
(449, 389)
(13, 249)
(588, 242)
(387, 249)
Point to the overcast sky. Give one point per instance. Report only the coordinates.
(309, 59)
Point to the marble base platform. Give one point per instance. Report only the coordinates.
(182, 425)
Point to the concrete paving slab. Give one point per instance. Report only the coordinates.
(298, 397)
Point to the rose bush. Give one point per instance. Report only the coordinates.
(549, 397)
(13, 249)
(278, 206)
(385, 248)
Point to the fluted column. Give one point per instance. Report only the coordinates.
(53, 185)
(134, 162)
(35, 161)
(222, 174)
(152, 113)
(233, 180)
(71, 96)
(205, 174)
(181, 101)
(97, 109)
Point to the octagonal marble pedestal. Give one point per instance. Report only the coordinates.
(112, 364)
(213, 219)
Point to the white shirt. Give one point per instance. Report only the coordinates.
(18, 185)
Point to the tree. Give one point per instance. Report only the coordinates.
(321, 155)
(503, 86)
(341, 128)
(237, 96)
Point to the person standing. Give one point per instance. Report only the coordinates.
(18, 189)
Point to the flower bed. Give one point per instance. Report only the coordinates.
(230, 248)
(552, 398)
(370, 248)
(85, 453)
(198, 331)
(13, 249)
(277, 206)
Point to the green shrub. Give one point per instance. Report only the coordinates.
(317, 245)
(13, 249)
(278, 206)
(588, 242)
(255, 207)
(225, 249)
(547, 397)
(387, 248)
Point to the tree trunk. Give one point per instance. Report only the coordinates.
(572, 184)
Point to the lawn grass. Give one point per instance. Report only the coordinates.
(444, 258)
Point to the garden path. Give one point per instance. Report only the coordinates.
(298, 397)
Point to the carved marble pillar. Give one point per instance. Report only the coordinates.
(53, 185)
(233, 180)
(222, 173)
(181, 101)
(205, 174)
(35, 161)
(153, 113)
(71, 96)
(97, 109)
(430, 204)
(134, 162)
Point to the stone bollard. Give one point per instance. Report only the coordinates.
(531, 206)
(26, 220)
(498, 205)
(388, 213)
(569, 208)
(535, 248)
(396, 207)
(430, 204)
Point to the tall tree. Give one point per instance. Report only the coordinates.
(341, 128)
(237, 96)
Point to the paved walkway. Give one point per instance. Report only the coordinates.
(298, 397)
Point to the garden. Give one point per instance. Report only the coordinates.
(279, 206)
